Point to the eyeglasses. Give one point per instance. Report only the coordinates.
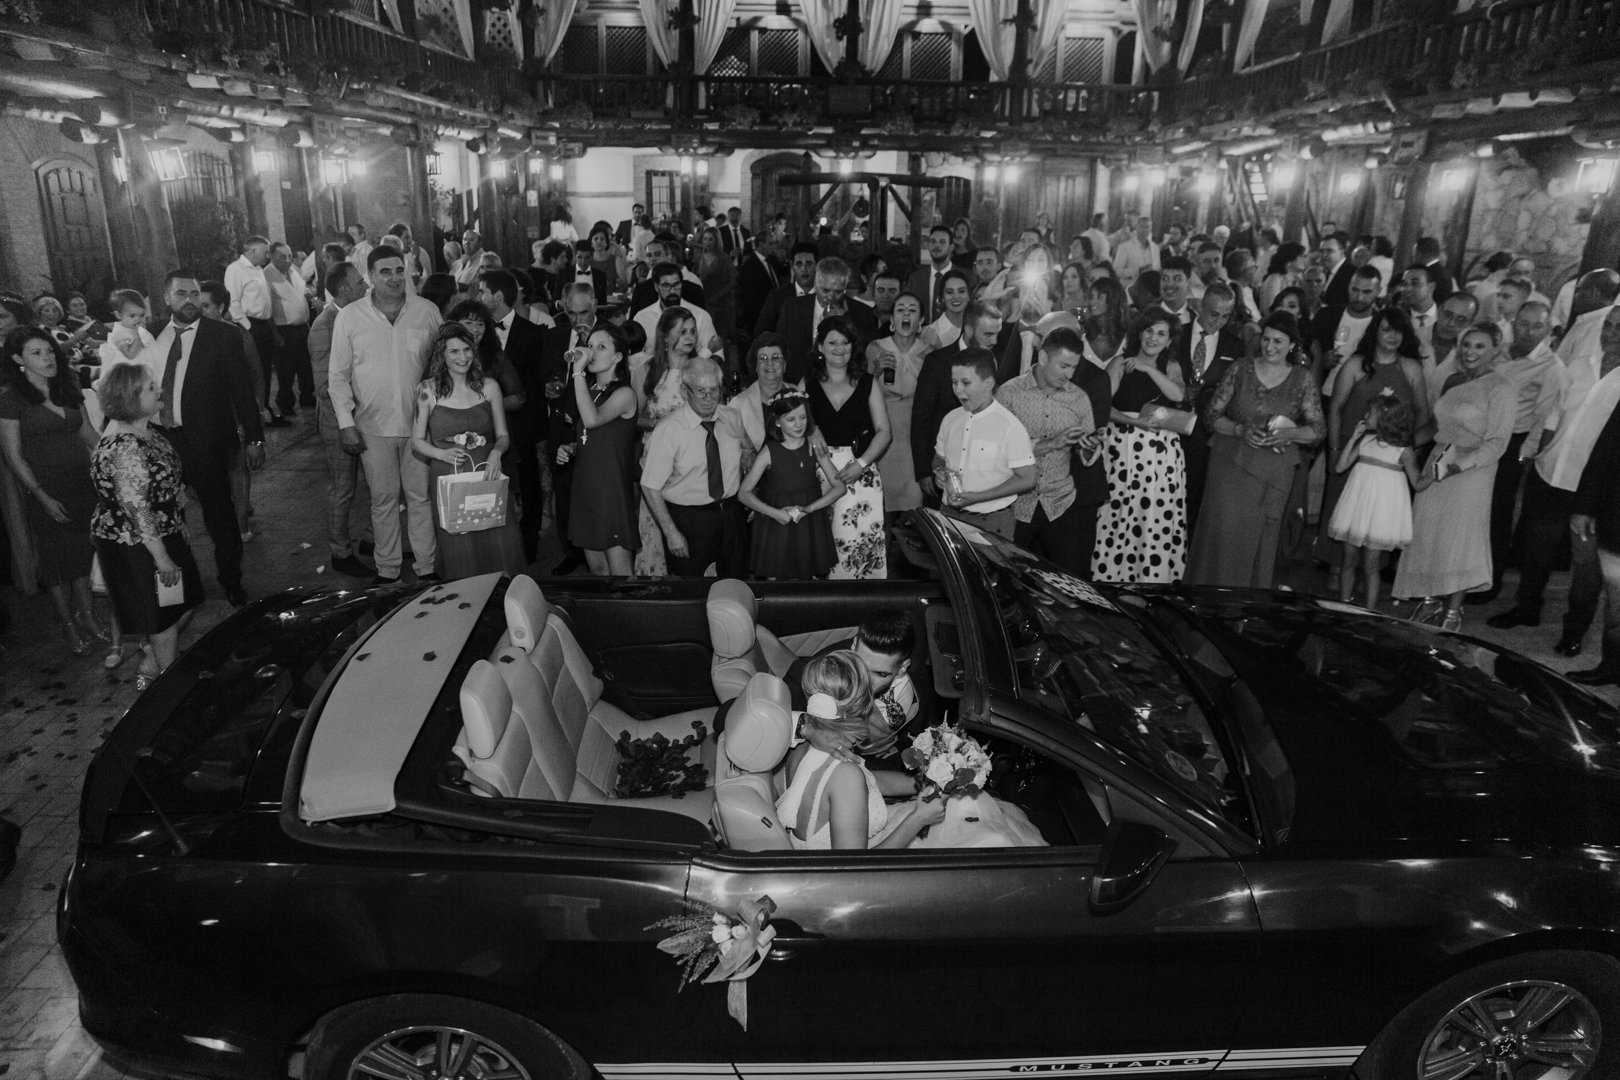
(704, 392)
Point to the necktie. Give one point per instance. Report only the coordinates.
(711, 455)
(170, 370)
(939, 294)
(1201, 356)
(1422, 320)
(771, 270)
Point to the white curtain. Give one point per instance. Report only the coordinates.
(714, 19)
(1189, 37)
(1338, 18)
(392, 8)
(880, 25)
(1254, 14)
(552, 24)
(1153, 16)
(996, 33)
(818, 20)
(464, 24)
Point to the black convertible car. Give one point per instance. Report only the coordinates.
(381, 834)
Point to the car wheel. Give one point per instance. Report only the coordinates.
(427, 1037)
(1539, 1016)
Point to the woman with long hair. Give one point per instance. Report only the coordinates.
(896, 361)
(461, 426)
(655, 375)
(1287, 263)
(846, 405)
(1142, 529)
(1108, 321)
(602, 404)
(1387, 362)
(1074, 291)
(718, 272)
(963, 247)
(956, 292)
(45, 439)
(1265, 410)
(491, 357)
(1450, 553)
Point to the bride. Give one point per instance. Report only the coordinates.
(833, 802)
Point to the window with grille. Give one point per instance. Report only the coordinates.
(1083, 60)
(580, 54)
(895, 66)
(1047, 72)
(625, 50)
(663, 193)
(931, 56)
(779, 53)
(732, 59)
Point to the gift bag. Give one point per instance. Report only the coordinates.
(471, 501)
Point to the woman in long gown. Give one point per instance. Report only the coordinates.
(656, 378)
(460, 425)
(43, 438)
(718, 273)
(1264, 410)
(853, 423)
(1450, 553)
(603, 404)
(1142, 528)
(896, 361)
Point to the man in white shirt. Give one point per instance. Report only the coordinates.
(1590, 396)
(690, 476)
(1457, 314)
(380, 350)
(1206, 269)
(360, 249)
(472, 261)
(418, 263)
(1417, 297)
(1100, 247)
(289, 313)
(1135, 251)
(251, 306)
(1511, 295)
(667, 281)
(983, 457)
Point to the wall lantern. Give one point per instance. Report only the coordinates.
(1009, 173)
(1596, 176)
(1283, 176)
(1205, 184)
(263, 161)
(1453, 179)
(990, 174)
(334, 171)
(1155, 177)
(556, 172)
(168, 163)
(846, 167)
(1130, 184)
(497, 170)
(1350, 182)
(434, 163)
(686, 165)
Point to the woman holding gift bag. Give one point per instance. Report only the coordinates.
(461, 427)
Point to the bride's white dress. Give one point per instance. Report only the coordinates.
(971, 821)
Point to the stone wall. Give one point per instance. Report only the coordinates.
(1513, 209)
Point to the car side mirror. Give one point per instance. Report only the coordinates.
(1132, 854)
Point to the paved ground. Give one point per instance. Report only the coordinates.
(55, 709)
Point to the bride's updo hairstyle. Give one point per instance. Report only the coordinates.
(838, 684)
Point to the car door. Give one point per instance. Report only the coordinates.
(983, 962)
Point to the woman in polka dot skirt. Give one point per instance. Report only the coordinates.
(1142, 529)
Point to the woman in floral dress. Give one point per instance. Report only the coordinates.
(895, 361)
(853, 422)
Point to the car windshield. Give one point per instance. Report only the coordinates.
(1083, 656)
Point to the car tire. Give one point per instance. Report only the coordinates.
(409, 1027)
(1522, 999)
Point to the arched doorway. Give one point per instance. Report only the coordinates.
(768, 198)
(75, 228)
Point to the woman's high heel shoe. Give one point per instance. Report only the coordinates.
(1452, 622)
(77, 645)
(87, 626)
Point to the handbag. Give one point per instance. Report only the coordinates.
(471, 502)
(1171, 417)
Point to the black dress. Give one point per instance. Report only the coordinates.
(603, 512)
(803, 549)
(857, 517)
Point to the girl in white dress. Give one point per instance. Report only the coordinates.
(833, 803)
(1374, 512)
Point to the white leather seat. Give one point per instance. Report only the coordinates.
(742, 647)
(498, 741)
(573, 731)
(759, 728)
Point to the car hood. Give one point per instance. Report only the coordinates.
(1397, 732)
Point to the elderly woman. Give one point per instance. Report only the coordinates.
(1265, 409)
(1450, 554)
(45, 440)
(140, 533)
(767, 359)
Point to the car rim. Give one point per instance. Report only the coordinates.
(435, 1053)
(1531, 1030)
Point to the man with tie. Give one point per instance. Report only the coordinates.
(733, 237)
(1417, 297)
(691, 475)
(802, 259)
(1208, 349)
(573, 331)
(523, 342)
(760, 276)
(207, 393)
(1331, 249)
(928, 282)
(1426, 253)
(380, 348)
(627, 227)
(803, 314)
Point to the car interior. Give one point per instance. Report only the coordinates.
(543, 713)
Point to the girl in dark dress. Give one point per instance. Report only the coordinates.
(792, 536)
(460, 425)
(43, 438)
(852, 422)
(603, 408)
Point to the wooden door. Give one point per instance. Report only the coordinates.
(75, 229)
(770, 198)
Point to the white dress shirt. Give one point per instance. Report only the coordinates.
(648, 318)
(290, 301)
(376, 365)
(155, 358)
(1589, 401)
(250, 292)
(503, 327)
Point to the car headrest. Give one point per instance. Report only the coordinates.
(486, 708)
(760, 724)
(526, 611)
(732, 617)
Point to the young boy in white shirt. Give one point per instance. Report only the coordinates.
(983, 459)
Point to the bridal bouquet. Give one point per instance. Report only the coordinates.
(733, 946)
(950, 760)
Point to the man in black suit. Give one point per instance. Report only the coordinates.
(1427, 253)
(802, 261)
(761, 275)
(981, 326)
(522, 341)
(207, 392)
(1207, 350)
(575, 322)
(556, 261)
(734, 237)
(661, 249)
(622, 233)
(928, 280)
(802, 314)
(1334, 260)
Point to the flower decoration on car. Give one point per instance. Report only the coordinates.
(949, 760)
(711, 946)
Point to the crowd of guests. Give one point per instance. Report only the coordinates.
(1136, 409)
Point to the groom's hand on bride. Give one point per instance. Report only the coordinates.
(835, 745)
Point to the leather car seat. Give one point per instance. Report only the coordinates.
(758, 732)
(496, 742)
(742, 647)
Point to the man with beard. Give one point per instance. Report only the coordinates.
(1336, 332)
(802, 265)
(1439, 362)
(928, 280)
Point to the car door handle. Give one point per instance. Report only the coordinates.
(786, 948)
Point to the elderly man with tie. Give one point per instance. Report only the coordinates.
(691, 476)
(207, 393)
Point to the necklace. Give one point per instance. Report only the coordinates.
(599, 394)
